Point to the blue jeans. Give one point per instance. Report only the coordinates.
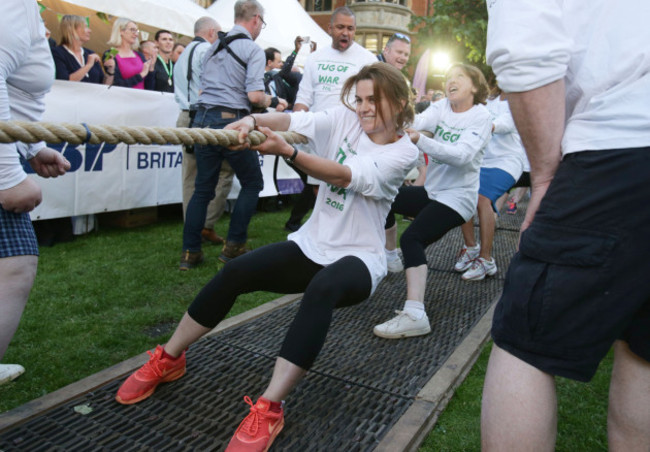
(246, 165)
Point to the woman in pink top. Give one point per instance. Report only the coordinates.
(125, 66)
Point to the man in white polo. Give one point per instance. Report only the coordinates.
(326, 70)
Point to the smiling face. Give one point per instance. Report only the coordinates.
(375, 117)
(397, 53)
(342, 30)
(129, 33)
(460, 89)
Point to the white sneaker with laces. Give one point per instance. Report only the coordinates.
(403, 325)
(10, 372)
(479, 269)
(465, 258)
(394, 263)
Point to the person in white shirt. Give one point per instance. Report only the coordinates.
(502, 166)
(461, 128)
(326, 70)
(26, 75)
(577, 76)
(361, 155)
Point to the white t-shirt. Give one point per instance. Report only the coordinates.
(26, 75)
(504, 150)
(599, 47)
(326, 70)
(350, 221)
(455, 153)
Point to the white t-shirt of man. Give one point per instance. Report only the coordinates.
(600, 49)
(349, 221)
(455, 153)
(26, 75)
(504, 150)
(326, 70)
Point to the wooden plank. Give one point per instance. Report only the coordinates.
(61, 396)
(413, 427)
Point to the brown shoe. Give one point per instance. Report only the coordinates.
(208, 235)
(190, 259)
(231, 250)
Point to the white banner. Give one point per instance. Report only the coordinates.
(107, 177)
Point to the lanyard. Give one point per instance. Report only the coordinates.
(169, 70)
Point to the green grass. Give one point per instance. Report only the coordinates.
(114, 293)
(102, 298)
(582, 413)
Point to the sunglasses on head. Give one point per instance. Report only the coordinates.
(401, 36)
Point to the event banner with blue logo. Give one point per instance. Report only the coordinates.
(107, 177)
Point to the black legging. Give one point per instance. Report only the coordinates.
(283, 268)
(432, 221)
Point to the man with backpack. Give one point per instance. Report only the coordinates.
(232, 84)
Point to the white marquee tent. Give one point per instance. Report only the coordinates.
(285, 20)
(178, 16)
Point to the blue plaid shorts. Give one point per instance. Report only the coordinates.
(17, 237)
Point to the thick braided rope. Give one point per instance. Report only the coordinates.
(33, 132)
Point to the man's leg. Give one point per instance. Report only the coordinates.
(188, 166)
(208, 160)
(519, 408)
(628, 420)
(189, 178)
(16, 278)
(246, 165)
(218, 204)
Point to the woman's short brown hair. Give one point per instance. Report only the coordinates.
(478, 80)
(389, 83)
(68, 27)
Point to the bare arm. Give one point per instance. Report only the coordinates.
(275, 121)
(300, 107)
(540, 115)
(259, 99)
(318, 167)
(22, 198)
(49, 163)
(80, 73)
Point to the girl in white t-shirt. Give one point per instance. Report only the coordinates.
(337, 258)
(461, 128)
(502, 166)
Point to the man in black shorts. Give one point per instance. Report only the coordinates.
(579, 283)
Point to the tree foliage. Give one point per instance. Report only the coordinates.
(456, 26)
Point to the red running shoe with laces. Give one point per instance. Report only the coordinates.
(142, 383)
(258, 430)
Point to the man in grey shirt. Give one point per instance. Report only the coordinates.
(232, 83)
(186, 92)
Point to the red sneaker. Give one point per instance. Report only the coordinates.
(142, 383)
(258, 430)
